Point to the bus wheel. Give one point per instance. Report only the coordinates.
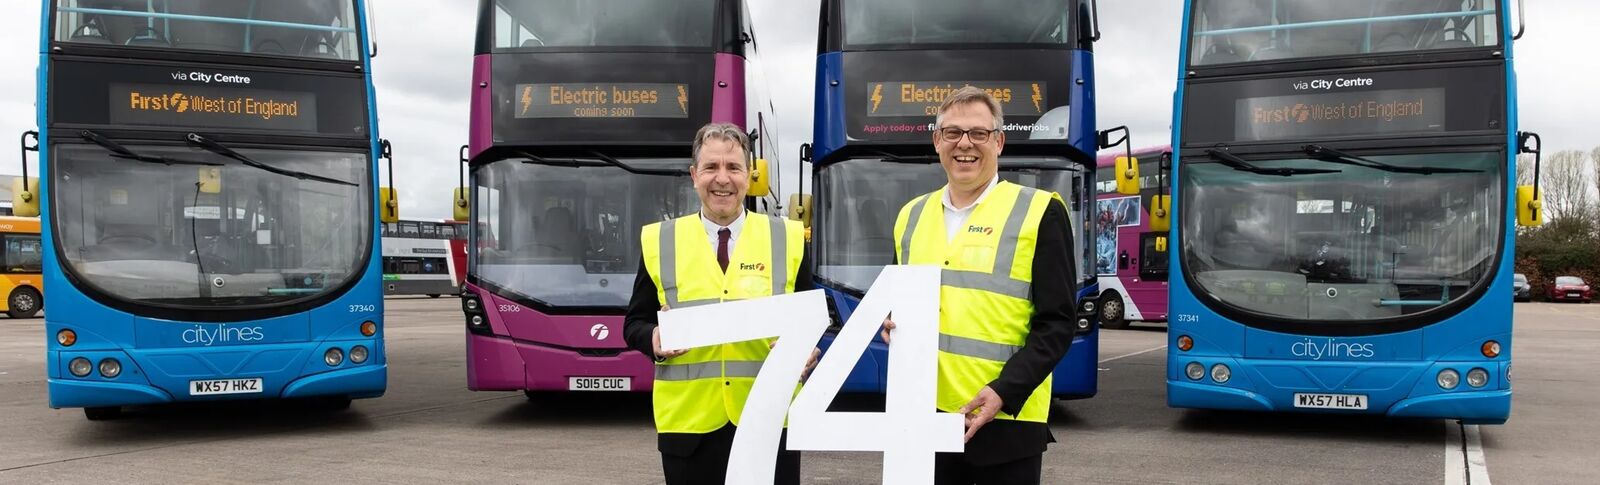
(1111, 311)
(24, 302)
(102, 414)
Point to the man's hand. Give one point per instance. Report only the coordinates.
(888, 325)
(811, 363)
(655, 343)
(981, 410)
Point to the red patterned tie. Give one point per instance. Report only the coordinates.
(722, 247)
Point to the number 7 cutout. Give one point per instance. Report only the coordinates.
(908, 432)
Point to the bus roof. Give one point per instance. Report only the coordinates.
(1109, 157)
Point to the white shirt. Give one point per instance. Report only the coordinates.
(956, 218)
(733, 229)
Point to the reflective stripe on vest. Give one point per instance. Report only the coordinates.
(707, 370)
(669, 263)
(977, 348)
(999, 279)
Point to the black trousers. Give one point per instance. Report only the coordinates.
(707, 463)
(953, 469)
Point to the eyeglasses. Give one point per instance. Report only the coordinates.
(977, 135)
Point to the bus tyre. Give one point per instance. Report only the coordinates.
(102, 414)
(1111, 311)
(24, 302)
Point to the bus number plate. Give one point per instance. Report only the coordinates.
(1330, 401)
(599, 383)
(225, 386)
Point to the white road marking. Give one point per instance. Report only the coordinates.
(1124, 356)
(1464, 463)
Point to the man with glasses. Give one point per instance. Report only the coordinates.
(1005, 297)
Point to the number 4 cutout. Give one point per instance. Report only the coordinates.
(908, 432)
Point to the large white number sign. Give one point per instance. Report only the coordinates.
(908, 432)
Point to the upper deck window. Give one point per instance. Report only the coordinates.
(933, 22)
(1240, 31)
(324, 29)
(549, 24)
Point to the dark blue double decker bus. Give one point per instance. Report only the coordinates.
(883, 69)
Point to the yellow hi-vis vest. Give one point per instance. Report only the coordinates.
(987, 271)
(705, 389)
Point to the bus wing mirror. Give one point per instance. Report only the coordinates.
(24, 197)
(388, 205)
(1161, 214)
(210, 180)
(1128, 175)
(459, 206)
(758, 179)
(1530, 206)
(800, 209)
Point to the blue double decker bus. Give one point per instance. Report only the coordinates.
(1345, 201)
(883, 69)
(208, 196)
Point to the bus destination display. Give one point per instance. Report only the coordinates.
(225, 107)
(914, 98)
(602, 100)
(1388, 111)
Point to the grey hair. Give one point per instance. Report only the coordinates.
(728, 132)
(969, 95)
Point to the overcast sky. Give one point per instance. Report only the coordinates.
(424, 62)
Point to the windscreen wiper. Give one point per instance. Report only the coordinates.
(214, 147)
(1330, 155)
(911, 159)
(600, 160)
(122, 152)
(1239, 164)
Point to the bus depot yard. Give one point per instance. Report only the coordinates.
(429, 428)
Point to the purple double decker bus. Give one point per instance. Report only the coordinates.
(582, 118)
(1130, 258)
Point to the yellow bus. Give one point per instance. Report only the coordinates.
(23, 258)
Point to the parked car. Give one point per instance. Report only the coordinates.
(1520, 289)
(1571, 288)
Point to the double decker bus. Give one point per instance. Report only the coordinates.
(883, 69)
(1130, 244)
(1345, 203)
(21, 262)
(424, 257)
(208, 202)
(583, 114)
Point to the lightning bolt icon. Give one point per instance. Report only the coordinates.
(527, 100)
(877, 97)
(683, 99)
(1037, 98)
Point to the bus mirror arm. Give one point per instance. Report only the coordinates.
(27, 191)
(1522, 21)
(1094, 20)
(1536, 147)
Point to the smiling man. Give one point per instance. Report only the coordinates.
(1005, 295)
(722, 253)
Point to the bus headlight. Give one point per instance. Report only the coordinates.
(358, 354)
(1221, 373)
(1195, 371)
(1083, 324)
(1088, 307)
(1449, 378)
(66, 337)
(1477, 377)
(80, 367)
(477, 320)
(333, 356)
(110, 368)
